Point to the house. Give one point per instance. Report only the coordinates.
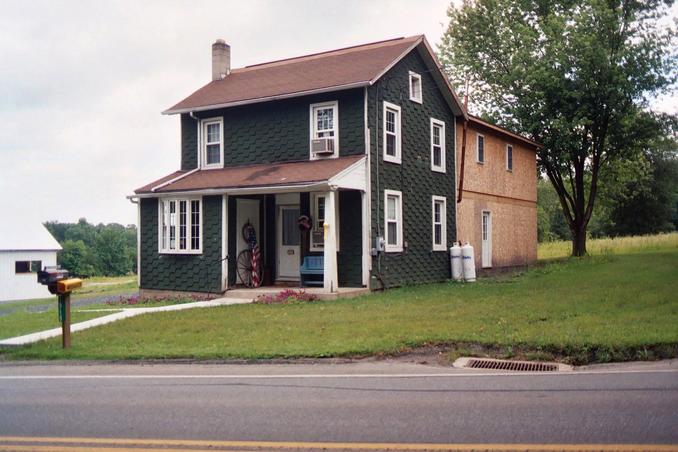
(346, 155)
(497, 212)
(25, 248)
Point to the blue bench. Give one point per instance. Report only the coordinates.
(312, 266)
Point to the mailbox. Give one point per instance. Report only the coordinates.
(68, 285)
(58, 282)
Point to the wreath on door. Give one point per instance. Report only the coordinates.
(305, 223)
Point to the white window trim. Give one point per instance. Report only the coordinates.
(189, 220)
(314, 215)
(509, 169)
(398, 157)
(443, 149)
(203, 145)
(311, 131)
(478, 135)
(443, 223)
(413, 98)
(398, 247)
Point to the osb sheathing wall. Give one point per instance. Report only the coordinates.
(510, 196)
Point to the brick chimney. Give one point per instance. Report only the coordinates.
(221, 59)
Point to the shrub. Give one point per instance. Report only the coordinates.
(286, 296)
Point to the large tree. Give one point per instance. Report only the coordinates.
(571, 74)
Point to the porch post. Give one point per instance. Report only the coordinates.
(330, 279)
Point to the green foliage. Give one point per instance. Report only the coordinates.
(573, 75)
(551, 223)
(96, 250)
(77, 258)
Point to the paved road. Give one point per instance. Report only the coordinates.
(364, 402)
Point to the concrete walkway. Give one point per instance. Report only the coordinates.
(124, 314)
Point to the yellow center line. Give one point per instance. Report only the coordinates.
(57, 444)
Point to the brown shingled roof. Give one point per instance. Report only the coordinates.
(252, 176)
(347, 67)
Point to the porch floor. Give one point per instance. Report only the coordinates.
(342, 292)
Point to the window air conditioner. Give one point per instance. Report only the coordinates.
(322, 146)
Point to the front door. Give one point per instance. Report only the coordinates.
(487, 240)
(288, 243)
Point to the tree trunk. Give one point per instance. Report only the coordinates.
(579, 240)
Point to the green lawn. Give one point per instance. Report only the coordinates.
(601, 308)
(23, 322)
(606, 246)
(24, 319)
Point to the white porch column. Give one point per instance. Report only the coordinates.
(330, 278)
(367, 258)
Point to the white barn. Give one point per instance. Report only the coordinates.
(24, 249)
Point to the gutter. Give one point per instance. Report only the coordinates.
(267, 189)
(172, 111)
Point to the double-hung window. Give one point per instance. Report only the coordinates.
(318, 203)
(509, 157)
(27, 266)
(325, 126)
(180, 226)
(393, 220)
(212, 143)
(437, 145)
(392, 137)
(480, 149)
(439, 221)
(415, 87)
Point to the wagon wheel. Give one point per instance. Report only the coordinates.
(244, 267)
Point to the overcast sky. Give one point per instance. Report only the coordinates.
(82, 85)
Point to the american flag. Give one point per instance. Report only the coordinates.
(256, 255)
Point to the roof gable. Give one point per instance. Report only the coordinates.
(345, 68)
(26, 236)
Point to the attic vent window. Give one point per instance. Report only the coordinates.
(415, 87)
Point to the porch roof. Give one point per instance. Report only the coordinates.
(342, 172)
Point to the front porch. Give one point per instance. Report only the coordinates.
(335, 239)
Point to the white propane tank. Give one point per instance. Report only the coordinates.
(455, 262)
(468, 263)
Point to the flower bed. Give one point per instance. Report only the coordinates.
(137, 300)
(286, 296)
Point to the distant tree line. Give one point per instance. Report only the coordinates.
(638, 195)
(96, 250)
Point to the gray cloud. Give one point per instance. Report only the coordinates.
(82, 85)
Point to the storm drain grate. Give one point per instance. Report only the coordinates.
(519, 366)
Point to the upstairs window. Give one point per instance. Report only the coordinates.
(179, 222)
(509, 158)
(415, 87)
(213, 143)
(391, 127)
(439, 221)
(437, 145)
(324, 130)
(480, 149)
(393, 219)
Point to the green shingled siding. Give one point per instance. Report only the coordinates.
(187, 272)
(413, 177)
(277, 131)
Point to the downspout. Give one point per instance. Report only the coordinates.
(463, 149)
(137, 201)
